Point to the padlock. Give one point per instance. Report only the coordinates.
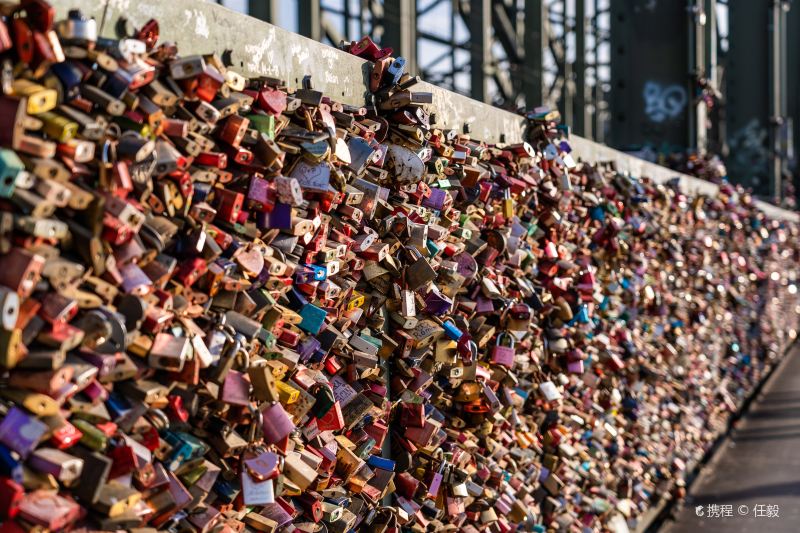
(10, 168)
(412, 415)
(9, 307)
(20, 270)
(97, 96)
(21, 432)
(48, 510)
(241, 235)
(277, 424)
(504, 354)
(419, 273)
(78, 28)
(66, 468)
(263, 383)
(39, 99)
(298, 471)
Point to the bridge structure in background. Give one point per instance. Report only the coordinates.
(651, 76)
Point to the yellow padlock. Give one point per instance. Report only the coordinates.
(508, 205)
(40, 99)
(287, 394)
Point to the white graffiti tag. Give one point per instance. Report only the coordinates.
(749, 148)
(663, 102)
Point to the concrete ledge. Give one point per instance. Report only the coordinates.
(258, 48)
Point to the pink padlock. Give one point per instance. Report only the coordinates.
(455, 506)
(504, 354)
(436, 482)
(236, 389)
(550, 250)
(575, 367)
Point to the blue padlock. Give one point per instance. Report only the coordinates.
(70, 77)
(281, 216)
(452, 331)
(227, 489)
(201, 192)
(313, 318)
(117, 405)
(395, 71)
(296, 300)
(185, 447)
(320, 272)
(10, 467)
(379, 462)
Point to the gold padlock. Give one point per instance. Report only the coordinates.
(263, 382)
(11, 348)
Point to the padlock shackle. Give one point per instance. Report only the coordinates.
(505, 334)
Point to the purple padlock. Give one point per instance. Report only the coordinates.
(483, 305)
(236, 389)
(258, 194)
(437, 303)
(575, 367)
(275, 512)
(467, 266)
(277, 424)
(105, 363)
(134, 280)
(281, 216)
(304, 275)
(436, 482)
(436, 199)
(21, 432)
(307, 348)
(502, 506)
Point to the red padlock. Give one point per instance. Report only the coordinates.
(11, 494)
(367, 49)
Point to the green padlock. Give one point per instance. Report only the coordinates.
(263, 124)
(325, 400)
(92, 437)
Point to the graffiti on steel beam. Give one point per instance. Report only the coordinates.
(749, 147)
(663, 102)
